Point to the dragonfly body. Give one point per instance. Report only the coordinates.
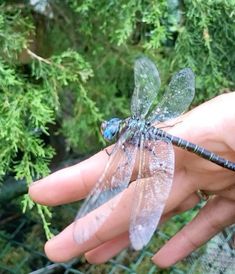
(115, 126)
(143, 146)
(198, 150)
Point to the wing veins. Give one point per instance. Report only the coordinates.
(106, 188)
(151, 194)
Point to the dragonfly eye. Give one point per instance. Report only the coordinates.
(103, 126)
(109, 133)
(110, 129)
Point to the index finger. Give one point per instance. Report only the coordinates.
(69, 184)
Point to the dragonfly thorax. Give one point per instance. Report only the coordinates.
(138, 124)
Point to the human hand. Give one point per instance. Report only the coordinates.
(209, 125)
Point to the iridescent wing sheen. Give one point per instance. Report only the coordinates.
(114, 180)
(177, 98)
(147, 84)
(153, 185)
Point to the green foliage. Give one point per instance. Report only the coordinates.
(30, 103)
(194, 33)
(61, 75)
(15, 30)
(206, 42)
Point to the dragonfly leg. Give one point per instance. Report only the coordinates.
(107, 152)
(110, 153)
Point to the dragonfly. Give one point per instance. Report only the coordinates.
(144, 147)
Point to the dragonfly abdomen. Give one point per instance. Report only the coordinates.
(157, 133)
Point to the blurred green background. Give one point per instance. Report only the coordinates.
(67, 65)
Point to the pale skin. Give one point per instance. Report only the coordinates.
(210, 125)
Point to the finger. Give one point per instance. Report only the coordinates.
(69, 184)
(217, 214)
(111, 248)
(63, 246)
(229, 193)
(72, 183)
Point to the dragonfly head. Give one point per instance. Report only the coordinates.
(110, 129)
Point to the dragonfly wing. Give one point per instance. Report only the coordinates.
(152, 190)
(177, 98)
(147, 84)
(114, 180)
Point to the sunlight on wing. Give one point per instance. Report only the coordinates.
(114, 180)
(151, 191)
(147, 84)
(177, 97)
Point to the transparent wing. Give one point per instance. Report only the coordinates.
(114, 180)
(177, 98)
(147, 84)
(151, 191)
